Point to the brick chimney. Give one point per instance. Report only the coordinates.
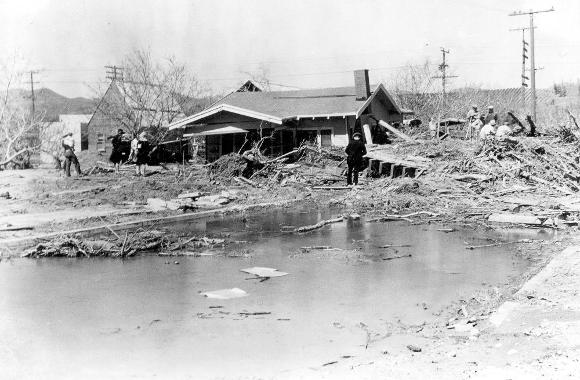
(361, 84)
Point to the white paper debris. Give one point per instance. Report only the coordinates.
(264, 272)
(225, 294)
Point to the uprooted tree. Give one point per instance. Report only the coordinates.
(149, 95)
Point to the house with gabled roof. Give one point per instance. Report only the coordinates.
(107, 118)
(327, 117)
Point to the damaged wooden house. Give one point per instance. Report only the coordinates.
(326, 117)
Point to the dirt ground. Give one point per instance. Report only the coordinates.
(529, 328)
(534, 334)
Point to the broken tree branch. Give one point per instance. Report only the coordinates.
(318, 225)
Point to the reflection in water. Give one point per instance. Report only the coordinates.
(144, 317)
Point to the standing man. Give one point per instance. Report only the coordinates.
(355, 150)
(491, 115)
(142, 154)
(68, 144)
(119, 153)
(134, 143)
(472, 116)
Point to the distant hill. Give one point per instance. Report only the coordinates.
(52, 104)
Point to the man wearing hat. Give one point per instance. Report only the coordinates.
(355, 150)
(68, 144)
(119, 153)
(491, 115)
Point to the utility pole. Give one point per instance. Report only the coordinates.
(531, 13)
(443, 68)
(524, 58)
(32, 96)
(114, 72)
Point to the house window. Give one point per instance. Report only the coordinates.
(325, 138)
(100, 142)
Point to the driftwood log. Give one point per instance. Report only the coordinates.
(318, 225)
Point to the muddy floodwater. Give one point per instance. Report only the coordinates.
(144, 317)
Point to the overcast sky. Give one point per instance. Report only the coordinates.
(303, 43)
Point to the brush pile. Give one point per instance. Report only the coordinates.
(71, 246)
(123, 246)
(547, 163)
(230, 165)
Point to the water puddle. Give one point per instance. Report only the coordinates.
(145, 317)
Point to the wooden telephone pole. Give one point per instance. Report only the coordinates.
(443, 68)
(525, 57)
(533, 68)
(32, 96)
(114, 72)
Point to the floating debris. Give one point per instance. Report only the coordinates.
(225, 294)
(263, 272)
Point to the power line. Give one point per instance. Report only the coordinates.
(114, 72)
(533, 67)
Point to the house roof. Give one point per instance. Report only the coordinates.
(278, 106)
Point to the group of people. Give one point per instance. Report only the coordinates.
(487, 127)
(124, 150)
(138, 152)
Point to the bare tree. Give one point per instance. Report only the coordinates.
(416, 89)
(20, 130)
(150, 95)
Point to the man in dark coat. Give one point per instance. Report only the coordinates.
(491, 115)
(142, 155)
(119, 153)
(355, 151)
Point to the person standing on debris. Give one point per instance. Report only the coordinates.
(142, 154)
(68, 144)
(432, 128)
(472, 117)
(488, 131)
(476, 127)
(355, 150)
(118, 155)
(473, 114)
(491, 115)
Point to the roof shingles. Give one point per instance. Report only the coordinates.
(285, 104)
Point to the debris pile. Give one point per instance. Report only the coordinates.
(123, 246)
(547, 163)
(228, 166)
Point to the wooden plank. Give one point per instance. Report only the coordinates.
(331, 187)
(517, 219)
(395, 131)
